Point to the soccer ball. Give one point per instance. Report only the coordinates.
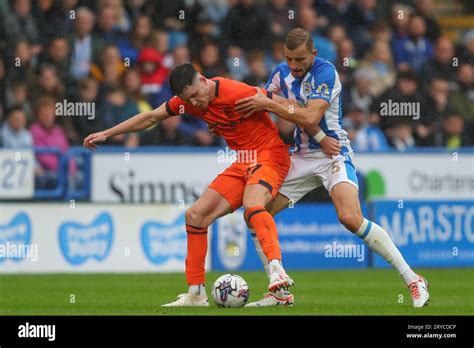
(230, 291)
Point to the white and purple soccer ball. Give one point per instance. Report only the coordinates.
(230, 291)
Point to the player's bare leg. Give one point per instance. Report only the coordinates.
(279, 297)
(256, 197)
(346, 201)
(209, 207)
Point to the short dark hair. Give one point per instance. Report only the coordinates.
(181, 77)
(12, 109)
(297, 37)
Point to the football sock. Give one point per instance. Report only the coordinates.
(258, 249)
(275, 265)
(379, 241)
(265, 228)
(197, 289)
(196, 255)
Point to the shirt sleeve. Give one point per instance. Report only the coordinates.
(323, 85)
(273, 83)
(175, 106)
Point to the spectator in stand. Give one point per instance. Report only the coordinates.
(45, 13)
(424, 8)
(400, 19)
(122, 20)
(107, 26)
(131, 84)
(258, 73)
(346, 61)
(363, 136)
(280, 19)
(436, 105)
(379, 63)
(332, 11)
(48, 83)
(159, 40)
(337, 34)
(209, 63)
(462, 95)
(360, 16)
(248, 26)
(380, 31)
(134, 8)
(19, 25)
(46, 133)
(119, 107)
(236, 63)
(17, 94)
(358, 94)
(442, 62)
(180, 56)
(275, 57)
(67, 16)
(111, 67)
(13, 132)
(169, 133)
(204, 31)
(21, 64)
(466, 51)
(57, 53)
(401, 135)
(308, 19)
(413, 51)
(85, 45)
(168, 15)
(130, 47)
(154, 77)
(454, 134)
(88, 92)
(405, 91)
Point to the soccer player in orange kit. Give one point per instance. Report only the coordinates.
(251, 185)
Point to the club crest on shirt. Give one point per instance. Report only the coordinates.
(306, 88)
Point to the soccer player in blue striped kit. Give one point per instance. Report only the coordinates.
(313, 90)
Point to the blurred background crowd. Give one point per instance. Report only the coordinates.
(117, 54)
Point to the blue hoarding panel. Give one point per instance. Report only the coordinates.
(428, 234)
(310, 238)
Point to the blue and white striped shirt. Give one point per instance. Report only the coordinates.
(321, 82)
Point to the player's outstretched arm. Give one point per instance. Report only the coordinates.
(138, 122)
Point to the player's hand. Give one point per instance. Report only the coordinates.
(91, 141)
(213, 130)
(247, 106)
(330, 146)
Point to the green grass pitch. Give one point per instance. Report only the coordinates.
(364, 292)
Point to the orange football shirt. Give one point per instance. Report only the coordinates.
(257, 132)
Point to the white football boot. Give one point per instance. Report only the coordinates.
(273, 299)
(279, 279)
(419, 292)
(189, 300)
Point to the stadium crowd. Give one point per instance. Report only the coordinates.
(115, 55)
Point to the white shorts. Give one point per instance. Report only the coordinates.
(310, 172)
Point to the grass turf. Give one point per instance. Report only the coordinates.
(357, 292)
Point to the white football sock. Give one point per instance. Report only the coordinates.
(275, 265)
(259, 250)
(197, 289)
(379, 241)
